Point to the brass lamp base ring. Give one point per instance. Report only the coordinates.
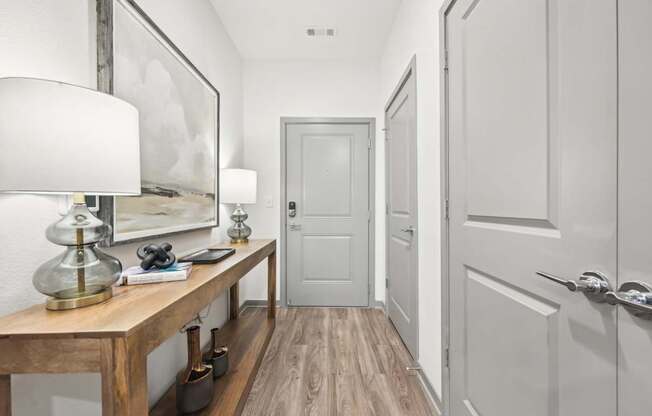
(239, 240)
(59, 304)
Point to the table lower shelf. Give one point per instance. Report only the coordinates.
(247, 338)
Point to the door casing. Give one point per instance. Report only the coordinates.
(444, 196)
(371, 122)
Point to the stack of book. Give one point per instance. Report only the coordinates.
(137, 276)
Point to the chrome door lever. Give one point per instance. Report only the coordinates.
(409, 229)
(593, 284)
(636, 297)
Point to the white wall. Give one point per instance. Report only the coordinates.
(48, 39)
(55, 40)
(275, 89)
(416, 32)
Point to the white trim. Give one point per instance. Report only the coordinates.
(445, 278)
(430, 392)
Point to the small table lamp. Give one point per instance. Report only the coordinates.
(57, 138)
(238, 186)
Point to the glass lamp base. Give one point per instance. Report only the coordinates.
(239, 231)
(82, 275)
(59, 304)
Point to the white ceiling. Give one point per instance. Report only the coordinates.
(276, 29)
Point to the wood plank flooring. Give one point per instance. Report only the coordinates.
(335, 361)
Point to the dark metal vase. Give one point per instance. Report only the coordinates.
(218, 356)
(195, 383)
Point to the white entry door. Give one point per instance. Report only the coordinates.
(402, 218)
(327, 213)
(533, 151)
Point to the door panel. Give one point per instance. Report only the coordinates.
(532, 176)
(635, 177)
(493, 311)
(505, 186)
(402, 247)
(327, 176)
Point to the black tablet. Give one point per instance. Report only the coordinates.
(208, 255)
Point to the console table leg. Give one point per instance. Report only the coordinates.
(5, 395)
(271, 285)
(234, 301)
(124, 378)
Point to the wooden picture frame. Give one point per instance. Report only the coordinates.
(202, 196)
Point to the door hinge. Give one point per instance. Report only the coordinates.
(386, 130)
(387, 283)
(369, 216)
(289, 302)
(370, 144)
(445, 59)
(386, 209)
(447, 358)
(447, 210)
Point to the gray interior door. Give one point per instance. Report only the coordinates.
(327, 180)
(635, 177)
(401, 199)
(532, 105)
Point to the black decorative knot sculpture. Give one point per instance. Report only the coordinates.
(153, 255)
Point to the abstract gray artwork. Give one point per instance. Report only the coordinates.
(178, 111)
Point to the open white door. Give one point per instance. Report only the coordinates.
(402, 218)
(532, 176)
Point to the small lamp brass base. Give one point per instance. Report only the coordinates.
(58, 304)
(239, 240)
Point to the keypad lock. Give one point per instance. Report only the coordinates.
(292, 209)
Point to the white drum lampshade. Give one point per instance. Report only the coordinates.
(238, 186)
(58, 138)
(61, 138)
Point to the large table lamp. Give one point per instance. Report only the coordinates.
(238, 186)
(58, 138)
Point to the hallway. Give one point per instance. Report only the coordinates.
(336, 361)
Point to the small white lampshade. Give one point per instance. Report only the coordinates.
(60, 138)
(238, 186)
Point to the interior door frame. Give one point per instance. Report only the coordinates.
(444, 197)
(371, 238)
(410, 71)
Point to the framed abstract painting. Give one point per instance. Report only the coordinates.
(179, 126)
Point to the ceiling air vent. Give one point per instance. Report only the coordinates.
(320, 32)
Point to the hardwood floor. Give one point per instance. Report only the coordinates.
(335, 361)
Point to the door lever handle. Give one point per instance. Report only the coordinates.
(593, 284)
(409, 229)
(636, 297)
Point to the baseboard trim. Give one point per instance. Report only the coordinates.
(431, 394)
(261, 303)
(256, 303)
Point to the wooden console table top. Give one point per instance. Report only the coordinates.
(114, 337)
(134, 306)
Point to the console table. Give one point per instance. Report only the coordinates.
(114, 337)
